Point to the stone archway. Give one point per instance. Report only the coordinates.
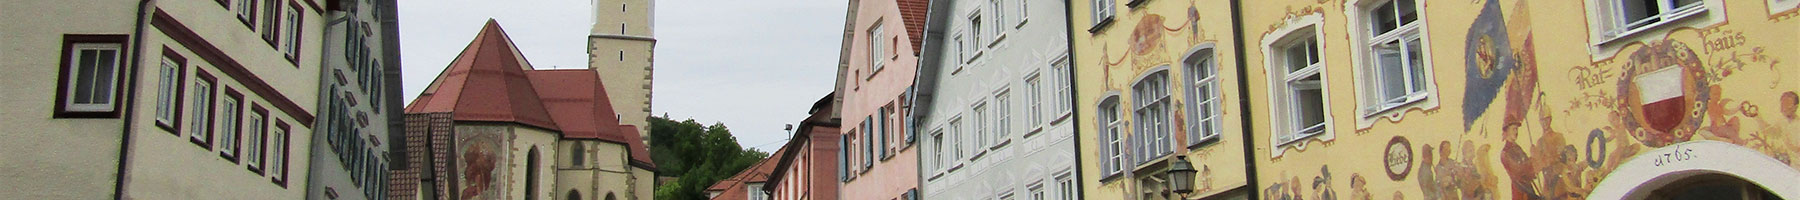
(1677, 165)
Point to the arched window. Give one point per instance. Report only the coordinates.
(579, 154)
(531, 174)
(574, 195)
(1111, 147)
(1150, 95)
(1202, 96)
(609, 196)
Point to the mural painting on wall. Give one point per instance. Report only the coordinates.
(481, 151)
(1290, 189)
(1147, 47)
(1497, 50)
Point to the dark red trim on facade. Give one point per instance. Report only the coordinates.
(174, 125)
(299, 20)
(230, 67)
(212, 94)
(314, 6)
(262, 147)
(237, 149)
(251, 21)
(62, 76)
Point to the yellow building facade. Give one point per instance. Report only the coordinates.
(1477, 99)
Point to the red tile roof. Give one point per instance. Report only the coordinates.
(492, 82)
(912, 12)
(486, 83)
(733, 188)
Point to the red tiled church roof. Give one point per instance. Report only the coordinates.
(490, 81)
(912, 12)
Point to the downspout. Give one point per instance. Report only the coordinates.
(137, 41)
(1069, 50)
(1243, 83)
(324, 102)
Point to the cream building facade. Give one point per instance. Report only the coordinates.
(189, 99)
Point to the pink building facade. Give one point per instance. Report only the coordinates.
(876, 73)
(806, 168)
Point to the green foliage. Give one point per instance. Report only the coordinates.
(696, 155)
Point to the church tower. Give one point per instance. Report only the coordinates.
(620, 48)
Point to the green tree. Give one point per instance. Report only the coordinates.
(696, 156)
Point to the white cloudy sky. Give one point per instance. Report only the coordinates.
(751, 64)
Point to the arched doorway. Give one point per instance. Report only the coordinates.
(531, 174)
(1708, 187)
(574, 195)
(609, 196)
(1699, 169)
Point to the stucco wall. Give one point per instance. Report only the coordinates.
(1156, 37)
(59, 158)
(866, 92)
(627, 79)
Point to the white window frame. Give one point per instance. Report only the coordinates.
(1203, 107)
(1666, 12)
(254, 143)
(1065, 184)
(246, 11)
(1002, 118)
(278, 154)
(167, 89)
(957, 146)
(962, 52)
(1779, 6)
(980, 126)
(1005, 195)
(1416, 82)
(1287, 129)
(1024, 13)
(199, 128)
(291, 47)
(939, 153)
(1034, 100)
(1061, 71)
(1035, 191)
(979, 38)
(755, 192)
(877, 44)
(105, 99)
(1101, 13)
(230, 125)
(999, 20)
(1150, 98)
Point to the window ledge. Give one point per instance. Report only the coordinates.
(1411, 101)
(1634, 33)
(973, 56)
(876, 70)
(1022, 22)
(935, 176)
(1034, 131)
(1108, 178)
(978, 155)
(1061, 117)
(1205, 141)
(1002, 144)
(1135, 3)
(1301, 138)
(1152, 164)
(953, 168)
(1101, 25)
(997, 38)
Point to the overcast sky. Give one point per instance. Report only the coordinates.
(754, 65)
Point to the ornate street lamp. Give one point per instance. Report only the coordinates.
(1181, 176)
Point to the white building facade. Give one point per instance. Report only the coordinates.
(993, 97)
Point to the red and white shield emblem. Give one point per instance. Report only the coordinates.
(1662, 98)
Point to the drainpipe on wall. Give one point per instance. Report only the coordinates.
(1243, 83)
(1069, 50)
(137, 42)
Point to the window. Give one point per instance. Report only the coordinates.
(877, 44)
(844, 158)
(980, 38)
(1036, 191)
(961, 51)
(1066, 186)
(956, 144)
(1024, 12)
(1008, 195)
(979, 127)
(1111, 149)
(756, 192)
(999, 8)
(168, 91)
(1151, 96)
(1033, 100)
(1301, 89)
(247, 12)
(278, 153)
(270, 14)
(868, 144)
(621, 28)
(90, 72)
(1635, 15)
(230, 127)
(292, 47)
(621, 55)
(879, 128)
(1059, 72)
(253, 142)
(200, 130)
(1395, 56)
(939, 157)
(1100, 14)
(1203, 94)
(578, 154)
(1002, 117)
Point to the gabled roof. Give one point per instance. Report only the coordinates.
(912, 13)
(486, 82)
(733, 187)
(491, 82)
